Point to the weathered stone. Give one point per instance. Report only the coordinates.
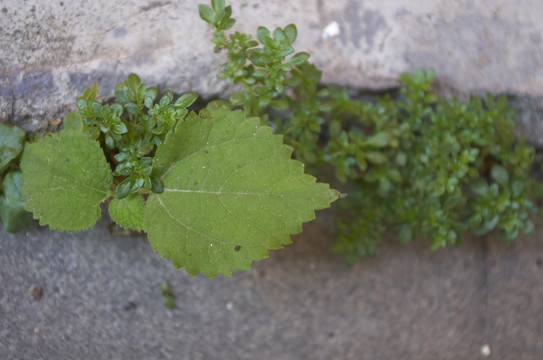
(101, 299)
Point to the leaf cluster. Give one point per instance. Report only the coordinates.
(261, 65)
(431, 167)
(425, 165)
(131, 129)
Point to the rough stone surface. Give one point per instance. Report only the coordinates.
(51, 51)
(515, 298)
(101, 300)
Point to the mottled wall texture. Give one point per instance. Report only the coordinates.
(50, 51)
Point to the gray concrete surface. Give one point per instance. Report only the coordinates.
(52, 50)
(101, 300)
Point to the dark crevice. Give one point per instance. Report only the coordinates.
(11, 117)
(485, 270)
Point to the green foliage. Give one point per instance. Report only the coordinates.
(423, 165)
(65, 178)
(222, 207)
(11, 144)
(449, 168)
(214, 191)
(169, 299)
(12, 214)
(131, 129)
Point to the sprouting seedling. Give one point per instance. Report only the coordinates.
(169, 299)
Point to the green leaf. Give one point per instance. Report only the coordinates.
(499, 174)
(279, 35)
(128, 212)
(279, 104)
(517, 188)
(65, 177)
(206, 13)
(90, 94)
(298, 58)
(291, 33)
(376, 157)
(218, 5)
(379, 140)
(479, 186)
(11, 144)
(133, 82)
(529, 227)
(227, 24)
(73, 121)
(231, 193)
(261, 34)
(132, 108)
(487, 226)
(186, 100)
(12, 213)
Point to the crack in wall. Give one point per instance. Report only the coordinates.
(11, 117)
(486, 313)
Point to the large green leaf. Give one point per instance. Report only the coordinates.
(12, 213)
(66, 177)
(11, 143)
(231, 193)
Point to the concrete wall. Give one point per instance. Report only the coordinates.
(50, 51)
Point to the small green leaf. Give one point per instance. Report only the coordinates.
(186, 100)
(499, 174)
(169, 302)
(218, 5)
(123, 189)
(379, 140)
(401, 158)
(279, 104)
(133, 82)
(298, 58)
(479, 186)
(231, 193)
(237, 98)
(12, 213)
(226, 25)
(529, 227)
(206, 13)
(73, 121)
(487, 226)
(132, 108)
(119, 128)
(128, 212)
(279, 35)
(262, 33)
(90, 94)
(376, 157)
(517, 188)
(291, 33)
(11, 144)
(66, 177)
(169, 299)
